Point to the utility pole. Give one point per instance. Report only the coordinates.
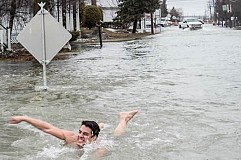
(214, 11)
(210, 10)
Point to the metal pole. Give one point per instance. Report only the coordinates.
(152, 25)
(42, 12)
(100, 36)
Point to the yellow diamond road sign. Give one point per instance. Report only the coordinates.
(54, 38)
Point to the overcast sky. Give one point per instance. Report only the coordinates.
(189, 7)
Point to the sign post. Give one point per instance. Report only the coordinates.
(42, 12)
(43, 37)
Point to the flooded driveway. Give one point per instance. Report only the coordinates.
(185, 84)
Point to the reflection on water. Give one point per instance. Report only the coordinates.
(186, 85)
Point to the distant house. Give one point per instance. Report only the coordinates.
(109, 8)
(146, 22)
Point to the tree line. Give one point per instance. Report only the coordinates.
(20, 8)
(128, 11)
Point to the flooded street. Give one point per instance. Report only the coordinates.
(185, 84)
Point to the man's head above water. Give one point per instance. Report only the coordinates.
(88, 132)
(93, 126)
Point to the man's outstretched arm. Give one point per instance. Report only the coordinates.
(41, 125)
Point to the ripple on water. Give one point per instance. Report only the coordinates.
(185, 84)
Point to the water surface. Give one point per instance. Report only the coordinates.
(185, 84)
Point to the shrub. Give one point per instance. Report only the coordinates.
(102, 15)
(92, 16)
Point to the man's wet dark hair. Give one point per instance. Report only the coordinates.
(93, 126)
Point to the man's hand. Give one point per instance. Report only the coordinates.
(16, 119)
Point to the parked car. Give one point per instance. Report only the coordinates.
(164, 22)
(192, 23)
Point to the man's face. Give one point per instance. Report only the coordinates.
(85, 136)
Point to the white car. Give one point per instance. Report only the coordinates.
(164, 22)
(192, 23)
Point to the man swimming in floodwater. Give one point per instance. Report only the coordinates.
(88, 131)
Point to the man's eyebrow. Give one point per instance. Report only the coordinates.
(82, 132)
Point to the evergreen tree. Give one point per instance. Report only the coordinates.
(92, 15)
(133, 10)
(164, 11)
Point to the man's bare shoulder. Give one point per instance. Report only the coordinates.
(69, 134)
(66, 132)
(70, 138)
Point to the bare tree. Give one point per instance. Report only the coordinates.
(93, 2)
(12, 13)
(17, 10)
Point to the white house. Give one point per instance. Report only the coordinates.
(146, 22)
(109, 8)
